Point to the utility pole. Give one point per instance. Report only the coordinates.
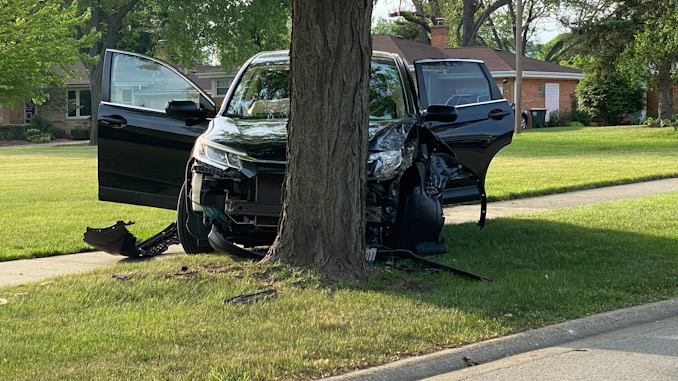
(517, 97)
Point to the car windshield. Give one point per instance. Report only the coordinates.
(263, 92)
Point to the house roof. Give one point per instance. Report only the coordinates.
(81, 79)
(407, 49)
(499, 62)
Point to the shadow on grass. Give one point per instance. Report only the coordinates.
(542, 271)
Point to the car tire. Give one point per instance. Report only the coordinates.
(523, 122)
(190, 244)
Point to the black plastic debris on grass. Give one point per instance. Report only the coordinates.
(249, 298)
(122, 277)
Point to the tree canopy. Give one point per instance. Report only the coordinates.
(38, 47)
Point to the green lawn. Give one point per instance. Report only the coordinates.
(50, 194)
(165, 323)
(554, 160)
(49, 197)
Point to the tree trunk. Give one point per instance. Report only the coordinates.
(95, 73)
(421, 30)
(468, 23)
(665, 92)
(322, 223)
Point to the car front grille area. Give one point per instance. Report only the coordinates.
(249, 204)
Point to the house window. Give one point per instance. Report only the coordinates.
(79, 103)
(221, 87)
(29, 111)
(542, 91)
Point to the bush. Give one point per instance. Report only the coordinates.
(610, 97)
(650, 121)
(39, 138)
(665, 123)
(12, 132)
(58, 133)
(581, 116)
(40, 123)
(576, 124)
(558, 119)
(80, 133)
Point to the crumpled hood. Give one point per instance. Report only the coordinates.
(266, 139)
(261, 139)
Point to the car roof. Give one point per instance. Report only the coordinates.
(283, 55)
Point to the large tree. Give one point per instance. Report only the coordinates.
(322, 223)
(652, 56)
(37, 47)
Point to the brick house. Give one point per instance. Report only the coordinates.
(545, 84)
(70, 108)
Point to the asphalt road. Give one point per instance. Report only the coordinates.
(644, 352)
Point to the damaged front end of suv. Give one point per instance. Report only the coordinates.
(429, 145)
(232, 193)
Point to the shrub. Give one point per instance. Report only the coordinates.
(39, 138)
(558, 119)
(665, 123)
(40, 123)
(650, 121)
(581, 116)
(12, 132)
(80, 133)
(576, 124)
(58, 133)
(611, 97)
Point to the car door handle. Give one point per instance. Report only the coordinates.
(115, 121)
(497, 114)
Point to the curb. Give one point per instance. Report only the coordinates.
(449, 360)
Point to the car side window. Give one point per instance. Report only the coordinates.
(140, 82)
(455, 83)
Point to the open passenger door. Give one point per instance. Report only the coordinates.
(483, 122)
(149, 117)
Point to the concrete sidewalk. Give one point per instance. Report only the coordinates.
(471, 213)
(33, 270)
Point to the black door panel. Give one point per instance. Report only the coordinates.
(143, 152)
(484, 122)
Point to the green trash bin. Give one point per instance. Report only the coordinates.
(538, 117)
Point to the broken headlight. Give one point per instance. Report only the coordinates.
(216, 155)
(384, 165)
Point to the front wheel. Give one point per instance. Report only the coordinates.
(523, 122)
(190, 243)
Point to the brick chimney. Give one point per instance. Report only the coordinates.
(440, 34)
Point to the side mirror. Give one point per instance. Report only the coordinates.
(440, 113)
(185, 109)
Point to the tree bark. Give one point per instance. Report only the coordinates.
(422, 28)
(468, 23)
(665, 92)
(322, 223)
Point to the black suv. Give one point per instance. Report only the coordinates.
(162, 143)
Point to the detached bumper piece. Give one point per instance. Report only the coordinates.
(116, 239)
(223, 245)
(390, 256)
